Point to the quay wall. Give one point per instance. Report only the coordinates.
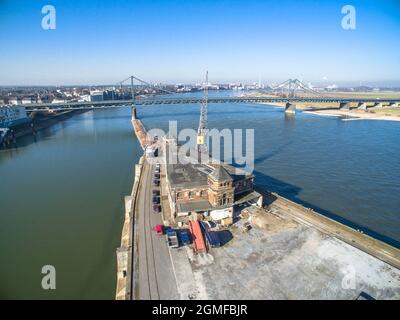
(357, 239)
(140, 132)
(126, 253)
(127, 257)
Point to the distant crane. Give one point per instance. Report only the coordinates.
(202, 131)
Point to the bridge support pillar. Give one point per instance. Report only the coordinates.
(134, 115)
(344, 106)
(378, 105)
(290, 108)
(362, 106)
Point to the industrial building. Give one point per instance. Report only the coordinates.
(212, 189)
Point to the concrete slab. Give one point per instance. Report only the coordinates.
(282, 259)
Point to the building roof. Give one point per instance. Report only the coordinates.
(201, 205)
(205, 205)
(220, 174)
(195, 175)
(187, 175)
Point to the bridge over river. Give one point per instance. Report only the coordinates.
(290, 102)
(286, 92)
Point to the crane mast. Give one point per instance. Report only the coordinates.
(202, 131)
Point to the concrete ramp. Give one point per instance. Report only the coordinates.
(344, 106)
(362, 106)
(290, 108)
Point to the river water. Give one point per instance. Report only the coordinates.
(61, 195)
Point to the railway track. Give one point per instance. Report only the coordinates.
(148, 238)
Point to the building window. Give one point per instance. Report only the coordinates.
(191, 195)
(179, 195)
(202, 193)
(224, 199)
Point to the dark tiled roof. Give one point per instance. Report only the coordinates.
(195, 175)
(220, 174)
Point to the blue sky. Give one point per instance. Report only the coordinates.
(102, 42)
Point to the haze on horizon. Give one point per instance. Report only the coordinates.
(103, 42)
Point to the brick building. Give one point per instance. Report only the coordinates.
(210, 189)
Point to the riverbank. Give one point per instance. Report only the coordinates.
(383, 114)
(328, 110)
(39, 122)
(386, 113)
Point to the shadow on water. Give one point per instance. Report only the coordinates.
(272, 153)
(47, 132)
(108, 117)
(194, 113)
(291, 192)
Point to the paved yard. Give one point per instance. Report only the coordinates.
(282, 259)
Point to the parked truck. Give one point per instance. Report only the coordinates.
(199, 245)
(184, 237)
(172, 239)
(211, 236)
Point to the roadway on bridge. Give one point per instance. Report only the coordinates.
(156, 279)
(37, 107)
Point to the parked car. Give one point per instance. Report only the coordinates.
(156, 200)
(156, 193)
(156, 182)
(156, 208)
(159, 229)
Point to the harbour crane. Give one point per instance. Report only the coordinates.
(202, 130)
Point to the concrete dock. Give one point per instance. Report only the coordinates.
(145, 270)
(155, 277)
(290, 252)
(280, 258)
